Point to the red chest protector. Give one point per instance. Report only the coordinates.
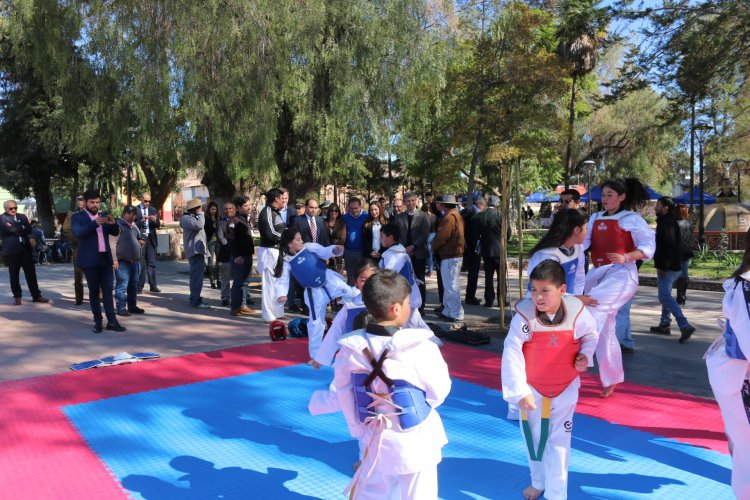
(550, 354)
(608, 237)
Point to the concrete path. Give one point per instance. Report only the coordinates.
(41, 339)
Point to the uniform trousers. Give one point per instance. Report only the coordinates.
(612, 286)
(725, 376)
(270, 308)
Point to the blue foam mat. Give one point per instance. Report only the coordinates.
(251, 436)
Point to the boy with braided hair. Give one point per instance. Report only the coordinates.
(389, 380)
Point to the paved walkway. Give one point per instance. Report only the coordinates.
(41, 339)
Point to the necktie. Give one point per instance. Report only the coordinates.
(408, 229)
(145, 221)
(313, 230)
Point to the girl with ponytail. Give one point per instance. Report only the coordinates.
(307, 263)
(617, 238)
(563, 243)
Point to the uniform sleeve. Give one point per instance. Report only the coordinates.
(580, 280)
(513, 367)
(643, 236)
(390, 261)
(588, 335)
(281, 284)
(324, 253)
(589, 231)
(330, 344)
(435, 377)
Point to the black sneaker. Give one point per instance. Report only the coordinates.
(115, 326)
(154, 289)
(224, 303)
(448, 318)
(123, 312)
(661, 329)
(79, 302)
(686, 333)
(295, 309)
(438, 309)
(97, 328)
(136, 310)
(472, 301)
(626, 349)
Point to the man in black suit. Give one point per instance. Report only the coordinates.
(15, 230)
(472, 257)
(414, 228)
(147, 219)
(311, 226)
(488, 223)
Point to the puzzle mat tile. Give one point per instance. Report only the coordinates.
(236, 436)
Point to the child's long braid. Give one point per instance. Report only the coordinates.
(286, 237)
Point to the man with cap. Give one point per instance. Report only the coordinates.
(449, 246)
(147, 219)
(196, 246)
(489, 226)
(67, 231)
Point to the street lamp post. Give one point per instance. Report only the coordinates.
(701, 131)
(589, 164)
(128, 183)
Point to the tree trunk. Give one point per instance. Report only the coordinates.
(160, 184)
(74, 190)
(44, 205)
(293, 156)
(571, 123)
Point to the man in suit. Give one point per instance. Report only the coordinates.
(472, 257)
(488, 224)
(92, 230)
(147, 219)
(67, 231)
(15, 230)
(414, 228)
(311, 226)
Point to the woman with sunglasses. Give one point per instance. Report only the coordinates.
(617, 237)
(336, 234)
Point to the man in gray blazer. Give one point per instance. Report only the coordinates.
(414, 227)
(194, 241)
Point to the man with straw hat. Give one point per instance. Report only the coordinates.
(195, 244)
(449, 246)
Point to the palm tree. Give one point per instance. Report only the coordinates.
(578, 47)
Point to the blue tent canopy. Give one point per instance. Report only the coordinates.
(541, 196)
(685, 197)
(596, 194)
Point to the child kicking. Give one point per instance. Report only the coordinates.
(389, 381)
(551, 339)
(306, 262)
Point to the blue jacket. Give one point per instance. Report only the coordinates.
(84, 229)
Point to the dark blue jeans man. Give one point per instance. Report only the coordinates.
(197, 270)
(240, 272)
(126, 288)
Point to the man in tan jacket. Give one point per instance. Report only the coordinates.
(68, 235)
(449, 246)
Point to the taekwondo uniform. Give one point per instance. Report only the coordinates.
(271, 225)
(396, 259)
(613, 285)
(538, 359)
(321, 286)
(377, 369)
(729, 375)
(573, 261)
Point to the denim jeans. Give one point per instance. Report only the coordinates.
(240, 273)
(126, 285)
(622, 326)
(197, 270)
(430, 259)
(685, 266)
(668, 303)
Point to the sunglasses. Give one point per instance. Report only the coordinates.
(146, 201)
(566, 202)
(12, 208)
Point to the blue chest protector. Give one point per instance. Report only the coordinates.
(730, 338)
(408, 401)
(408, 273)
(731, 345)
(308, 269)
(570, 266)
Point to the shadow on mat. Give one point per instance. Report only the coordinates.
(204, 481)
(229, 425)
(455, 472)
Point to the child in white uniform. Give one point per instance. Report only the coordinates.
(617, 237)
(551, 339)
(377, 371)
(729, 373)
(306, 262)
